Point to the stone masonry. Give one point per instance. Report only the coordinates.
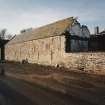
(51, 51)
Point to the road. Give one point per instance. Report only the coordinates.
(18, 92)
(72, 88)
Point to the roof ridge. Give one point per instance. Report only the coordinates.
(61, 20)
(49, 30)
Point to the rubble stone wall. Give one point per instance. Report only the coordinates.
(44, 51)
(51, 51)
(88, 61)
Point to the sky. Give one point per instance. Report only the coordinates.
(16, 15)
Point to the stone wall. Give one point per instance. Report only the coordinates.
(89, 61)
(44, 51)
(51, 51)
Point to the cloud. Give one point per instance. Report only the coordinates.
(19, 14)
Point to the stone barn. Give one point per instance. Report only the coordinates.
(64, 43)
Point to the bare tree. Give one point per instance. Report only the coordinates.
(3, 33)
(9, 36)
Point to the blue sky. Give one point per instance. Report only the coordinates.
(19, 14)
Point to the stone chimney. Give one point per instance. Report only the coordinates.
(96, 30)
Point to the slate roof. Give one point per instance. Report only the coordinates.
(54, 29)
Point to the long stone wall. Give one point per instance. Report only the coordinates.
(51, 51)
(89, 61)
(44, 51)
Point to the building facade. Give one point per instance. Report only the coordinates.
(64, 43)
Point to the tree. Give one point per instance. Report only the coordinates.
(5, 35)
(9, 36)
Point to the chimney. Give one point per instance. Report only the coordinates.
(96, 30)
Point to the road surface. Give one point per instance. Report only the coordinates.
(79, 88)
(18, 92)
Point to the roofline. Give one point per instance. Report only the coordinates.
(37, 39)
(47, 25)
(61, 33)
